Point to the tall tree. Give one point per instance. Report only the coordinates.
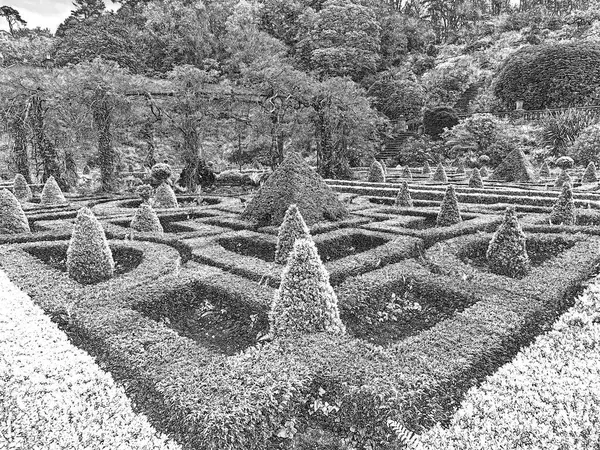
(13, 17)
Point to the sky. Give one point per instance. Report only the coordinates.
(43, 13)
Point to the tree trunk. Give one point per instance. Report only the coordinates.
(191, 156)
(102, 114)
(20, 158)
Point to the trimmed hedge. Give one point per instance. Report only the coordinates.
(12, 217)
(376, 173)
(51, 193)
(21, 189)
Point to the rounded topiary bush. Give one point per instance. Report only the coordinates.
(145, 192)
(89, 258)
(435, 120)
(403, 199)
(475, 181)
(21, 189)
(563, 211)
(426, 168)
(51, 193)
(586, 147)
(440, 174)
(376, 173)
(590, 176)
(292, 228)
(145, 220)
(449, 213)
(545, 170)
(563, 178)
(507, 251)
(165, 197)
(565, 162)
(406, 173)
(305, 301)
(161, 172)
(12, 217)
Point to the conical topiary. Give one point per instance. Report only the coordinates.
(460, 167)
(440, 174)
(563, 211)
(145, 220)
(406, 173)
(507, 251)
(292, 228)
(544, 170)
(165, 197)
(403, 199)
(484, 172)
(294, 182)
(21, 189)
(475, 181)
(515, 167)
(51, 193)
(376, 173)
(12, 217)
(563, 178)
(426, 168)
(89, 258)
(449, 213)
(305, 301)
(589, 176)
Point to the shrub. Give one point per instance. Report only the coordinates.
(437, 119)
(544, 170)
(145, 220)
(12, 217)
(426, 168)
(536, 75)
(397, 98)
(417, 150)
(161, 172)
(291, 229)
(563, 211)
(294, 182)
(305, 301)
(449, 213)
(406, 173)
(484, 172)
(51, 193)
(440, 174)
(475, 181)
(507, 250)
(589, 176)
(515, 167)
(21, 189)
(559, 131)
(165, 197)
(563, 178)
(564, 162)
(586, 147)
(144, 191)
(89, 258)
(376, 173)
(403, 199)
(460, 167)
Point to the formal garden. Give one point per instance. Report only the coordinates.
(220, 233)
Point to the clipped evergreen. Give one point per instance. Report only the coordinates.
(563, 178)
(460, 167)
(507, 251)
(161, 172)
(89, 258)
(305, 301)
(590, 176)
(294, 182)
(144, 191)
(86, 170)
(484, 172)
(21, 189)
(12, 217)
(475, 181)
(440, 174)
(292, 228)
(426, 168)
(449, 213)
(376, 173)
(51, 193)
(165, 197)
(515, 167)
(406, 173)
(145, 220)
(403, 199)
(544, 170)
(563, 211)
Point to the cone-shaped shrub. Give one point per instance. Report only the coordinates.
(475, 181)
(165, 197)
(507, 251)
(403, 199)
(146, 220)
(144, 191)
(426, 168)
(545, 170)
(563, 178)
(406, 173)
(460, 167)
(292, 228)
(449, 213)
(21, 189)
(12, 217)
(484, 172)
(305, 301)
(515, 167)
(89, 258)
(440, 174)
(563, 211)
(51, 193)
(589, 176)
(376, 173)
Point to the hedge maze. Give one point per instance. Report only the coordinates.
(184, 321)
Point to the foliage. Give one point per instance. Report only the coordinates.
(564, 162)
(586, 146)
(440, 174)
(12, 217)
(563, 211)
(51, 193)
(475, 181)
(515, 167)
(449, 213)
(376, 173)
(418, 150)
(161, 172)
(145, 220)
(437, 119)
(397, 97)
(165, 197)
(305, 301)
(426, 168)
(403, 198)
(590, 175)
(406, 173)
(507, 251)
(484, 172)
(448, 81)
(563, 178)
(559, 131)
(544, 170)
(21, 189)
(291, 229)
(144, 191)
